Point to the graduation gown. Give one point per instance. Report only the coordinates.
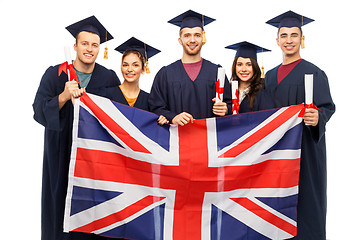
(57, 145)
(173, 92)
(115, 94)
(263, 101)
(311, 211)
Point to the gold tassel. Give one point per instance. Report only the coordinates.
(106, 53)
(204, 38)
(302, 43)
(106, 49)
(262, 72)
(203, 31)
(147, 67)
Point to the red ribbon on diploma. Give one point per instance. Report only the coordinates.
(219, 90)
(64, 67)
(235, 102)
(311, 105)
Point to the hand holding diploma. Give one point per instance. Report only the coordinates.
(220, 108)
(71, 89)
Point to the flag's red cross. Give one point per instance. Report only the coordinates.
(191, 179)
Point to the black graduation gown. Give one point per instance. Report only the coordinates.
(173, 92)
(311, 219)
(115, 94)
(57, 145)
(263, 101)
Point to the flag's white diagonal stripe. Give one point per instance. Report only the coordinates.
(252, 220)
(160, 153)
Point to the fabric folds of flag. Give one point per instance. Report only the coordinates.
(233, 177)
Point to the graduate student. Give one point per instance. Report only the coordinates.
(185, 90)
(286, 83)
(53, 109)
(134, 63)
(245, 69)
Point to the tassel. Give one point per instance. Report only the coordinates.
(106, 49)
(147, 67)
(106, 53)
(262, 72)
(203, 31)
(302, 43)
(204, 38)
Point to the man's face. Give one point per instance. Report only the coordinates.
(289, 40)
(191, 40)
(87, 47)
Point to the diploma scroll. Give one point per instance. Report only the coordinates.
(68, 59)
(67, 66)
(309, 88)
(220, 84)
(235, 97)
(309, 83)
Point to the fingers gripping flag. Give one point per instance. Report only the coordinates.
(233, 177)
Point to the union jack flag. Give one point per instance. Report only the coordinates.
(233, 177)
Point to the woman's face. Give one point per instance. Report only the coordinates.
(131, 68)
(244, 69)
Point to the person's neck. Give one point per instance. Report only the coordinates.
(287, 59)
(82, 67)
(190, 58)
(130, 89)
(243, 86)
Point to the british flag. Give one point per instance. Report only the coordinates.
(233, 177)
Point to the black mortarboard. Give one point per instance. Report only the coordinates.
(246, 50)
(191, 19)
(289, 19)
(146, 50)
(90, 24)
(136, 44)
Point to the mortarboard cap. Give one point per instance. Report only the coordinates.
(191, 19)
(246, 50)
(134, 44)
(90, 24)
(289, 19)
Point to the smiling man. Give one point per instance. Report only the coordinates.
(54, 110)
(185, 90)
(286, 83)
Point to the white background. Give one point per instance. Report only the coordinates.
(33, 37)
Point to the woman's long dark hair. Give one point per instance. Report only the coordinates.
(256, 82)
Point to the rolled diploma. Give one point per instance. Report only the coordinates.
(68, 58)
(234, 87)
(308, 88)
(309, 83)
(221, 79)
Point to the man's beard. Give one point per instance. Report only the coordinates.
(190, 52)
